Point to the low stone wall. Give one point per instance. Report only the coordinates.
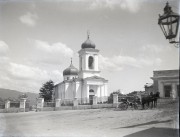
(165, 100)
(79, 107)
(10, 110)
(48, 109)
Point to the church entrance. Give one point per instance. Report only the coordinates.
(91, 99)
(91, 95)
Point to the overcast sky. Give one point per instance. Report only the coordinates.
(37, 40)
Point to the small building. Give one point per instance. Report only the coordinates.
(86, 82)
(149, 88)
(166, 82)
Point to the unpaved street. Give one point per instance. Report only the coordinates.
(91, 123)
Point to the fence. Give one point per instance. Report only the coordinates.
(14, 104)
(49, 104)
(2, 105)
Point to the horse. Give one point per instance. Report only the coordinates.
(150, 100)
(155, 97)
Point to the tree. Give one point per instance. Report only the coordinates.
(46, 90)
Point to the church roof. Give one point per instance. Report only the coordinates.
(95, 78)
(88, 44)
(71, 70)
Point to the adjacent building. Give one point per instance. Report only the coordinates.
(166, 82)
(86, 82)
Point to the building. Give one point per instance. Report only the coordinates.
(86, 82)
(149, 88)
(166, 82)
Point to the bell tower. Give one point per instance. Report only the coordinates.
(88, 59)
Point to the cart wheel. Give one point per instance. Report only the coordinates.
(123, 106)
(146, 106)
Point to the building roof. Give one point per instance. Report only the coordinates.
(88, 44)
(148, 85)
(71, 70)
(95, 78)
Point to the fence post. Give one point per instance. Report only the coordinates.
(57, 104)
(7, 104)
(75, 102)
(40, 104)
(94, 100)
(22, 104)
(115, 98)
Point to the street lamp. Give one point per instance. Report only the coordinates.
(169, 24)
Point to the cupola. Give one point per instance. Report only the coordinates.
(88, 44)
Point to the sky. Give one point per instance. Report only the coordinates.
(38, 39)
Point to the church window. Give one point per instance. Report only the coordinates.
(91, 90)
(90, 62)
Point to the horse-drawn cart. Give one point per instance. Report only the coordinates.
(129, 102)
(142, 101)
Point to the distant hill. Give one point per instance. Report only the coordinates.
(13, 94)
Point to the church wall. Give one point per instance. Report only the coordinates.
(106, 89)
(69, 91)
(56, 92)
(78, 90)
(96, 63)
(68, 77)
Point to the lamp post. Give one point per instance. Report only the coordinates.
(169, 24)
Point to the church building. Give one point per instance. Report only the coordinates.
(86, 82)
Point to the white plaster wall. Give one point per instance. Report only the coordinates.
(102, 91)
(96, 63)
(78, 90)
(106, 89)
(88, 74)
(161, 88)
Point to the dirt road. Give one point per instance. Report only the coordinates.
(91, 123)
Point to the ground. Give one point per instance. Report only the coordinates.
(162, 121)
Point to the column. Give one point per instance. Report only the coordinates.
(87, 93)
(94, 100)
(23, 104)
(161, 88)
(58, 103)
(115, 98)
(100, 91)
(174, 92)
(7, 104)
(40, 104)
(86, 62)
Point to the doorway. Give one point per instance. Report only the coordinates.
(167, 90)
(91, 99)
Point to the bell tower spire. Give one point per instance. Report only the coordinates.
(88, 33)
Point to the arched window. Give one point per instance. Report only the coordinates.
(91, 90)
(91, 62)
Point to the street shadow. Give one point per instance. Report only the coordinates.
(156, 132)
(148, 123)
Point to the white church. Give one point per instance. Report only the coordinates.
(86, 82)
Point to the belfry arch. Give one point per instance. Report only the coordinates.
(91, 62)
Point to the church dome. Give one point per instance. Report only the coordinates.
(71, 70)
(88, 44)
